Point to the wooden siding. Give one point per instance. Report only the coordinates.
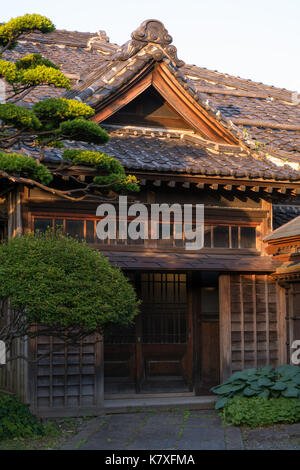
(67, 380)
(14, 375)
(293, 317)
(249, 323)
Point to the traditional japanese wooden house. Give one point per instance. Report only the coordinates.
(190, 135)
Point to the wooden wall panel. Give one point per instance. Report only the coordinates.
(254, 322)
(292, 314)
(68, 380)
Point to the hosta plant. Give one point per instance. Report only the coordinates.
(266, 382)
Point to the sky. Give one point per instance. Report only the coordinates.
(253, 39)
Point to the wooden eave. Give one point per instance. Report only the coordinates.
(162, 79)
(241, 183)
(282, 242)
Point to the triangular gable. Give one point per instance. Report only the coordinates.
(158, 76)
(149, 109)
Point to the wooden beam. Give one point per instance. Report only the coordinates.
(255, 189)
(282, 313)
(269, 190)
(241, 188)
(228, 187)
(191, 111)
(214, 187)
(225, 327)
(200, 185)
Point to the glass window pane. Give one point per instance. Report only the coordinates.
(90, 233)
(234, 237)
(41, 225)
(248, 237)
(74, 228)
(221, 236)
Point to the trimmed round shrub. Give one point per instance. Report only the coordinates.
(62, 283)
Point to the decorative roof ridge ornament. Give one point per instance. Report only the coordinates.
(149, 32)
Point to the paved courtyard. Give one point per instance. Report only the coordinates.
(156, 430)
(178, 430)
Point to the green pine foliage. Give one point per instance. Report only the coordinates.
(8, 71)
(266, 382)
(259, 411)
(10, 31)
(51, 121)
(17, 164)
(82, 130)
(44, 75)
(100, 161)
(56, 110)
(113, 173)
(63, 283)
(18, 117)
(30, 61)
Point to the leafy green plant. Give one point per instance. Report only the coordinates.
(16, 420)
(15, 163)
(265, 382)
(259, 411)
(64, 286)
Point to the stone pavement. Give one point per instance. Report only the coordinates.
(157, 430)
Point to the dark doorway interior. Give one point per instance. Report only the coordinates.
(173, 345)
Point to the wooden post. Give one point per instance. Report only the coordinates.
(281, 315)
(99, 372)
(225, 326)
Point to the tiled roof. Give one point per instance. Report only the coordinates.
(158, 151)
(269, 115)
(290, 229)
(190, 261)
(255, 113)
(284, 213)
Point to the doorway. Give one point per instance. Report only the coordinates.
(155, 355)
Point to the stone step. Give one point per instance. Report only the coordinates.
(130, 405)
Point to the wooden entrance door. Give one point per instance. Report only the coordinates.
(156, 355)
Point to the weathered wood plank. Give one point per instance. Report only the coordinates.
(225, 326)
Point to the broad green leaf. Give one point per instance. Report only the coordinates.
(290, 393)
(279, 386)
(264, 394)
(249, 392)
(264, 382)
(221, 402)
